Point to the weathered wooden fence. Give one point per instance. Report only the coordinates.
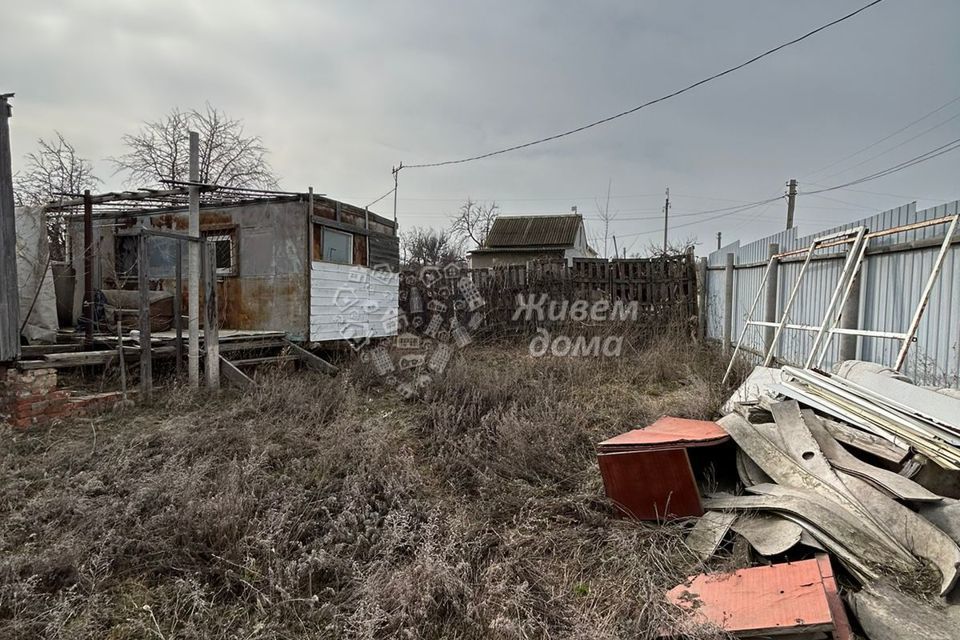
(649, 290)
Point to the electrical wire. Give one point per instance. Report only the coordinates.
(392, 189)
(883, 139)
(650, 102)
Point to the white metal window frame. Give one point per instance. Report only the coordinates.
(323, 245)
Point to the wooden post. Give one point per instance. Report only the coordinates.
(193, 266)
(702, 299)
(211, 338)
(143, 283)
(770, 297)
(177, 305)
(9, 291)
(728, 305)
(850, 319)
(88, 303)
(121, 357)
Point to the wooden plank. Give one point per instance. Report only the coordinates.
(313, 361)
(143, 283)
(211, 341)
(779, 599)
(9, 293)
(234, 375)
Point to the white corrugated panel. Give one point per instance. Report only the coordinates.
(351, 302)
(891, 287)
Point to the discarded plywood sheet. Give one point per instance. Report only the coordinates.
(887, 614)
(914, 532)
(776, 599)
(667, 432)
(708, 532)
(651, 485)
(780, 466)
(770, 535)
(893, 483)
(863, 441)
(647, 472)
(842, 629)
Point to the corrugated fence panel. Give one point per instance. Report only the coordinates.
(892, 284)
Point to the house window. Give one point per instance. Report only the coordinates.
(224, 247)
(337, 246)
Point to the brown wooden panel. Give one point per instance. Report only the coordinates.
(651, 485)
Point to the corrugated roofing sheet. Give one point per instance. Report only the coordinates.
(521, 231)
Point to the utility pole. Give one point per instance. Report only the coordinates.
(791, 201)
(719, 235)
(9, 292)
(396, 178)
(193, 266)
(666, 215)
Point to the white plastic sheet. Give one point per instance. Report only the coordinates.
(38, 299)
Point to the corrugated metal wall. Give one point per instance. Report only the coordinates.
(891, 286)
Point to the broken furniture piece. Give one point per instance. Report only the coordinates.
(790, 598)
(647, 472)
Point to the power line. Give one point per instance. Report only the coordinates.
(651, 102)
(392, 189)
(885, 138)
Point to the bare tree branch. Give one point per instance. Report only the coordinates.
(474, 220)
(422, 247)
(52, 170)
(228, 157)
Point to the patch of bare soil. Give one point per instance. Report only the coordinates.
(318, 507)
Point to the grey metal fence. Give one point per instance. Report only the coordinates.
(895, 270)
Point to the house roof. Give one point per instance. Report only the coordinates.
(533, 231)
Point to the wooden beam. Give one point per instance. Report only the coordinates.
(146, 357)
(211, 341)
(234, 375)
(314, 362)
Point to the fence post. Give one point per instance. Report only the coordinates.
(702, 299)
(770, 298)
(143, 284)
(211, 336)
(728, 306)
(850, 319)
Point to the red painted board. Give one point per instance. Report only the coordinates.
(839, 613)
(781, 598)
(651, 485)
(669, 431)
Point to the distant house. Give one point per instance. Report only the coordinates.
(519, 239)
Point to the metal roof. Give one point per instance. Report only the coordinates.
(537, 231)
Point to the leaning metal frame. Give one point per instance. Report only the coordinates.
(854, 261)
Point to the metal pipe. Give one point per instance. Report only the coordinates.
(728, 305)
(88, 314)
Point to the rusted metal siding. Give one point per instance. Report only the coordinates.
(534, 231)
(384, 251)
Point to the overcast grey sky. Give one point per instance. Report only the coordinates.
(341, 91)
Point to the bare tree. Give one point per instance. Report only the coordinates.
(474, 220)
(606, 217)
(228, 157)
(50, 172)
(675, 248)
(430, 247)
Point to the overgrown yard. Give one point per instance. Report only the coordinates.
(319, 507)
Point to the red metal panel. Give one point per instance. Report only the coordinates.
(840, 620)
(782, 598)
(668, 431)
(651, 485)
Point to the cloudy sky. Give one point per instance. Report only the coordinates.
(342, 91)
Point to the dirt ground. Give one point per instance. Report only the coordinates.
(331, 508)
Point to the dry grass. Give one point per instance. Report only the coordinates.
(316, 507)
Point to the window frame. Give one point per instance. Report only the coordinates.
(323, 245)
(229, 234)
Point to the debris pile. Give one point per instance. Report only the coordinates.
(860, 466)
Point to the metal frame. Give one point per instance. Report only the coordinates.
(852, 267)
